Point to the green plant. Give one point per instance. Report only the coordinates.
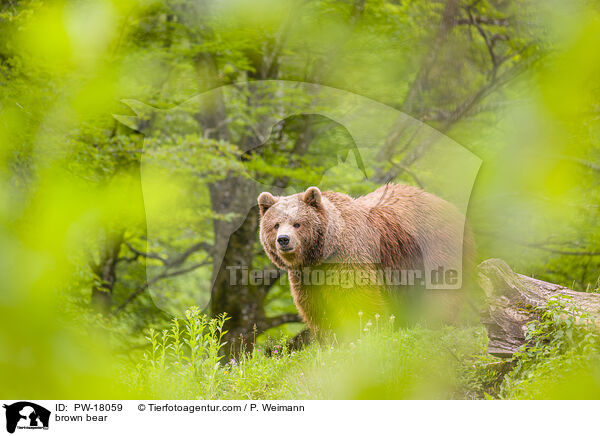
(192, 352)
(562, 351)
(384, 361)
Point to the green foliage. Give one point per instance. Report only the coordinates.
(562, 357)
(71, 196)
(384, 362)
(189, 352)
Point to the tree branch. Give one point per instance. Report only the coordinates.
(276, 321)
(137, 253)
(461, 110)
(165, 274)
(545, 246)
(503, 22)
(446, 24)
(405, 169)
(176, 261)
(542, 246)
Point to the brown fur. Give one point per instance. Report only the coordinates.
(396, 226)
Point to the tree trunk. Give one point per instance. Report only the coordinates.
(242, 301)
(511, 302)
(105, 271)
(420, 82)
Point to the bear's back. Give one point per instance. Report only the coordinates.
(417, 228)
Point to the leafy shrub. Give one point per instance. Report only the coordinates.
(561, 358)
(185, 361)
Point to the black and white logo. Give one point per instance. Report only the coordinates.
(26, 415)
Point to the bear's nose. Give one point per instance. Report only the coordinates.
(283, 240)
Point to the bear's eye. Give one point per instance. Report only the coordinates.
(276, 226)
(296, 225)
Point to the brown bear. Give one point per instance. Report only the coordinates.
(348, 256)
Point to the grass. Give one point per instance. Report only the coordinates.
(184, 362)
(562, 360)
(385, 362)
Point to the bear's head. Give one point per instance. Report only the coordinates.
(292, 228)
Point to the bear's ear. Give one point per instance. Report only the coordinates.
(265, 201)
(312, 196)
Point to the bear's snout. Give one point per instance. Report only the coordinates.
(283, 241)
